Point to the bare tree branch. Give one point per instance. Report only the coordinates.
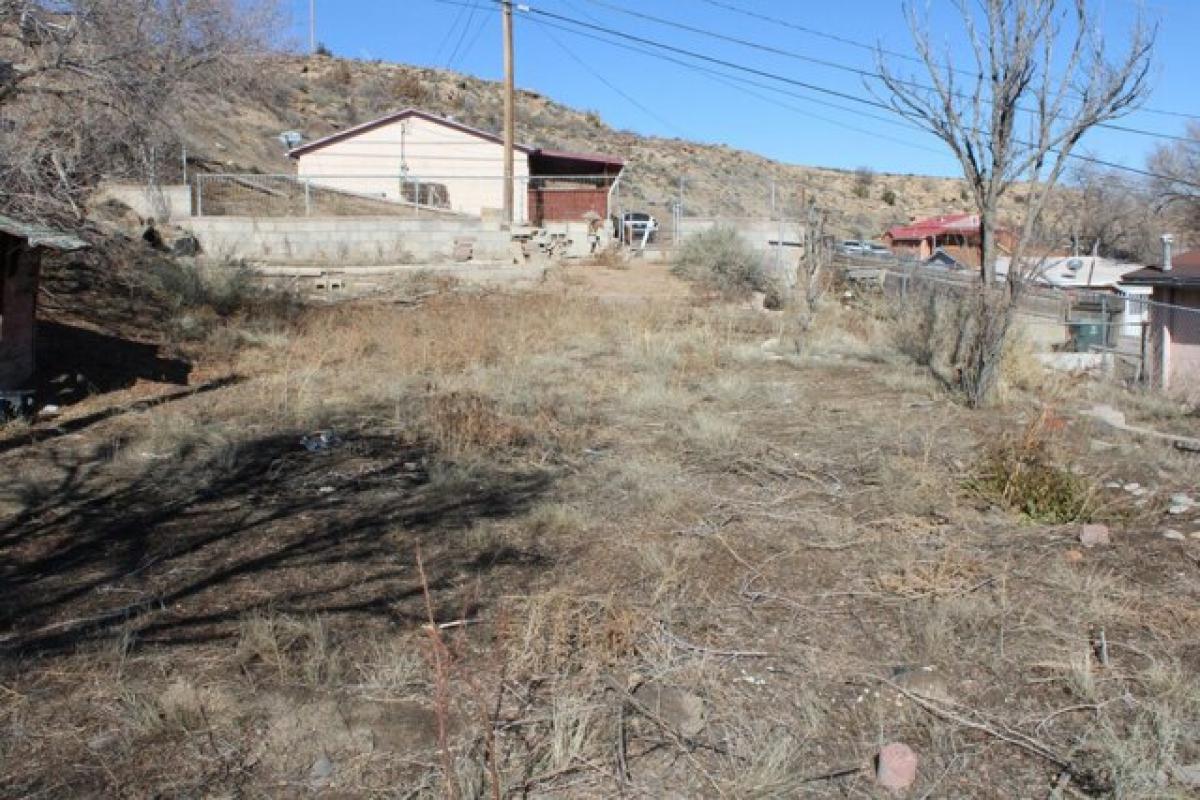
(1041, 67)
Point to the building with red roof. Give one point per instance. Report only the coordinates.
(957, 235)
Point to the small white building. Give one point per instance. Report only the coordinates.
(417, 158)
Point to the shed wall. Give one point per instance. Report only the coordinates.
(18, 309)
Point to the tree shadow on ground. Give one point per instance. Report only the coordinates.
(180, 551)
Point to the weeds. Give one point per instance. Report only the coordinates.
(1020, 473)
(720, 259)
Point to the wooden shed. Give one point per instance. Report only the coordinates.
(22, 245)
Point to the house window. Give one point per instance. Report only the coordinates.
(425, 194)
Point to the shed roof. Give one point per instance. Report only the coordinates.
(936, 226)
(567, 155)
(1185, 271)
(39, 235)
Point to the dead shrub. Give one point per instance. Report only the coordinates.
(408, 89)
(339, 76)
(297, 650)
(950, 574)
(1020, 473)
(564, 633)
(720, 259)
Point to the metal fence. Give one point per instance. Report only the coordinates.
(764, 207)
(398, 194)
(1123, 335)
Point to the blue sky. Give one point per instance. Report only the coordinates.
(669, 100)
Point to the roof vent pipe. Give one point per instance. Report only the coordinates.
(1167, 240)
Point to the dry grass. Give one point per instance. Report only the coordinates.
(608, 499)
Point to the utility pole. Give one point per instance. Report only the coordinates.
(312, 26)
(510, 133)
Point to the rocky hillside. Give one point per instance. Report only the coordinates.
(319, 95)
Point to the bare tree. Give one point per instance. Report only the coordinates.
(1108, 213)
(95, 87)
(1178, 164)
(1041, 78)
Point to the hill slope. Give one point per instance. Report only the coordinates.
(319, 95)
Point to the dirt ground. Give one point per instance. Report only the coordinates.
(637, 281)
(667, 548)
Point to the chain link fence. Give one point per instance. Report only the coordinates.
(1123, 335)
(536, 198)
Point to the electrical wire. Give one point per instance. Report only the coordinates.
(595, 74)
(848, 68)
(894, 53)
(462, 36)
(798, 83)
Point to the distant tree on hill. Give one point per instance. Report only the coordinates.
(863, 178)
(1179, 163)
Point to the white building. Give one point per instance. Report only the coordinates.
(414, 157)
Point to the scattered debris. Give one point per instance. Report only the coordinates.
(319, 441)
(1173, 535)
(1094, 534)
(1181, 504)
(896, 767)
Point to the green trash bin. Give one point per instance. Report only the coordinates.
(1086, 337)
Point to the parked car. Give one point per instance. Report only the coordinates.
(851, 247)
(633, 226)
(877, 249)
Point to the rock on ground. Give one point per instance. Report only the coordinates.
(1094, 534)
(896, 767)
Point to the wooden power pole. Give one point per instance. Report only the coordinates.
(509, 111)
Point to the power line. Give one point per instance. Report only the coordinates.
(859, 71)
(458, 18)
(794, 82)
(895, 54)
(462, 36)
(810, 86)
(595, 74)
(739, 83)
(483, 24)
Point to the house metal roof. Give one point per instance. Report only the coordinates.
(1185, 271)
(936, 226)
(39, 235)
(407, 113)
(567, 155)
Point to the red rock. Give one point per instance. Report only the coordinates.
(896, 767)
(1073, 556)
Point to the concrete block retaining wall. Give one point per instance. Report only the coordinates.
(362, 240)
(345, 240)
